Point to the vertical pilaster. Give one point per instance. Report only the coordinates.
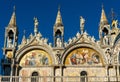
(53, 74)
(61, 75)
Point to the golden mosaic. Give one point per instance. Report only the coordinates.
(82, 56)
(36, 58)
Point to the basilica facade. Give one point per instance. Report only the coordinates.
(81, 59)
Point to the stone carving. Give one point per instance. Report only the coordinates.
(36, 22)
(45, 41)
(78, 35)
(10, 43)
(70, 40)
(115, 23)
(93, 39)
(105, 40)
(109, 55)
(58, 42)
(82, 22)
(74, 39)
(50, 44)
(65, 44)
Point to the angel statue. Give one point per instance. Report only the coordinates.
(82, 22)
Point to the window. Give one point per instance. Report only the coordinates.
(35, 77)
(83, 77)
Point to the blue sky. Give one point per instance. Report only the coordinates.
(46, 11)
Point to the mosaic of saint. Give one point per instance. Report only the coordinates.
(83, 56)
(36, 58)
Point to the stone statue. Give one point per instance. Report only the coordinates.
(109, 55)
(36, 26)
(58, 42)
(82, 23)
(106, 40)
(36, 22)
(115, 23)
(70, 41)
(10, 43)
(78, 35)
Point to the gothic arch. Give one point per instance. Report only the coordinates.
(76, 46)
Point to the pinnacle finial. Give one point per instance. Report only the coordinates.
(112, 14)
(24, 38)
(14, 8)
(24, 32)
(59, 7)
(102, 6)
(58, 18)
(103, 19)
(13, 18)
(35, 22)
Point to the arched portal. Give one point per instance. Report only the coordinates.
(34, 77)
(83, 76)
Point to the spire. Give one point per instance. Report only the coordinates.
(13, 19)
(103, 19)
(113, 15)
(24, 38)
(58, 18)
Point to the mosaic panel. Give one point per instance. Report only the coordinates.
(82, 56)
(36, 58)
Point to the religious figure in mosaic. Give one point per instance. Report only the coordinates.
(35, 59)
(95, 58)
(73, 59)
(84, 57)
(45, 60)
(32, 59)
